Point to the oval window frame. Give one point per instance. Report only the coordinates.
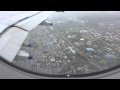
(33, 74)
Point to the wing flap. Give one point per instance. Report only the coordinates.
(11, 42)
(34, 21)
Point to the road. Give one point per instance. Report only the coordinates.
(90, 62)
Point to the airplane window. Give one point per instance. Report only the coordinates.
(76, 43)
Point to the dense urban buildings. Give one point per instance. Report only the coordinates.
(77, 43)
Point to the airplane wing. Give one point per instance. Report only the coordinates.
(14, 28)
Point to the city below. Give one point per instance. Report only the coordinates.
(76, 43)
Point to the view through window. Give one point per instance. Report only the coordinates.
(78, 42)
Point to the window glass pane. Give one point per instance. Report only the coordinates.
(78, 42)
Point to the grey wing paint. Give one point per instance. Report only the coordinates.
(14, 28)
(11, 38)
